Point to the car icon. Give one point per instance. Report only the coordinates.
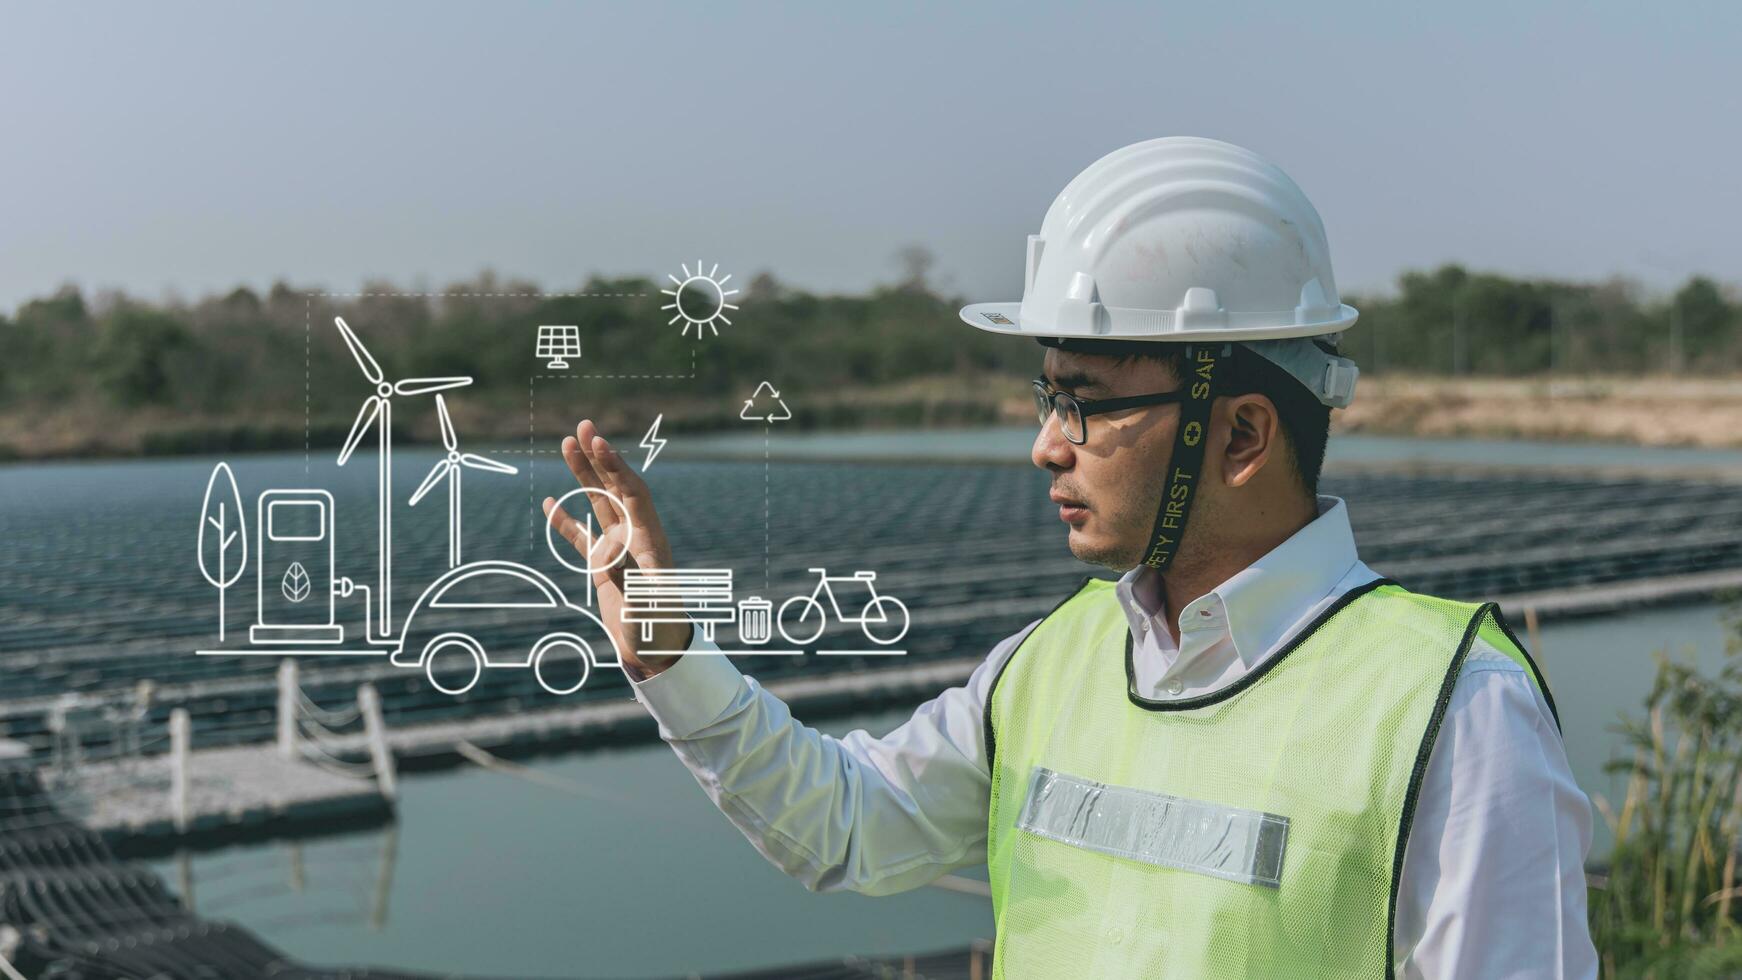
(434, 638)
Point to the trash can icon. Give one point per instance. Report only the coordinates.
(755, 616)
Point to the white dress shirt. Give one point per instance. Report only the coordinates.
(1493, 881)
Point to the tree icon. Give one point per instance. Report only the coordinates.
(215, 546)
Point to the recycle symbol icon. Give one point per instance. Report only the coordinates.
(751, 412)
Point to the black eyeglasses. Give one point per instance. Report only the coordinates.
(1072, 411)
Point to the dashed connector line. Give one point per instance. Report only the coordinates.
(637, 377)
(765, 572)
(486, 295)
(307, 332)
(531, 491)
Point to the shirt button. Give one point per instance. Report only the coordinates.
(1206, 614)
(1143, 625)
(1174, 686)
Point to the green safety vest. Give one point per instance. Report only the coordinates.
(1257, 831)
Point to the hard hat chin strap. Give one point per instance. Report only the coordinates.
(1205, 363)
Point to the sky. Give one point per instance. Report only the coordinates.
(185, 148)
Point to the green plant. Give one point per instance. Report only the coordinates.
(1671, 906)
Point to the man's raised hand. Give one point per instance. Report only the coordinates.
(597, 465)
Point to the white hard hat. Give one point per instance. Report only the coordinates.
(1185, 239)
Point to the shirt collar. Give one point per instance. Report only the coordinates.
(1267, 597)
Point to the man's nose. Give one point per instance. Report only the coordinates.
(1051, 449)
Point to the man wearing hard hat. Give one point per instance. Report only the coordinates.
(1250, 756)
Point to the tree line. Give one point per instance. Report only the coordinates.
(240, 360)
(1457, 322)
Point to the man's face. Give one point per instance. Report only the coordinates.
(1108, 488)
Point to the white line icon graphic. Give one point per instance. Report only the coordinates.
(454, 660)
(882, 618)
(557, 343)
(217, 519)
(755, 620)
(450, 468)
(594, 562)
(298, 585)
(377, 410)
(652, 442)
(293, 561)
(699, 300)
(675, 595)
(778, 412)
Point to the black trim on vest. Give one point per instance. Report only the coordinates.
(1541, 681)
(986, 709)
(1252, 676)
(1420, 772)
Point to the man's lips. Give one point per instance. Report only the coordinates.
(1071, 510)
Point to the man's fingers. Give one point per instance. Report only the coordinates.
(600, 548)
(627, 484)
(578, 464)
(607, 546)
(571, 530)
(586, 474)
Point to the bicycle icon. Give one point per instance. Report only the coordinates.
(883, 618)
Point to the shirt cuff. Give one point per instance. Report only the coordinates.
(692, 693)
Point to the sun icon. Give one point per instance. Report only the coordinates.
(699, 299)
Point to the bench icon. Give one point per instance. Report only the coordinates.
(675, 595)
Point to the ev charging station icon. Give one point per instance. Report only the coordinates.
(294, 568)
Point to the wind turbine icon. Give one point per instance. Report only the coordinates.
(450, 468)
(377, 410)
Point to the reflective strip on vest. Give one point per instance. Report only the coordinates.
(1222, 841)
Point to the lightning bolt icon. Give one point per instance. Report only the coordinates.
(652, 442)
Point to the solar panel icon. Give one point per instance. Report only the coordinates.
(558, 343)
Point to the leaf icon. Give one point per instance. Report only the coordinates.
(295, 583)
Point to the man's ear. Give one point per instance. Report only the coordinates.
(1254, 437)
